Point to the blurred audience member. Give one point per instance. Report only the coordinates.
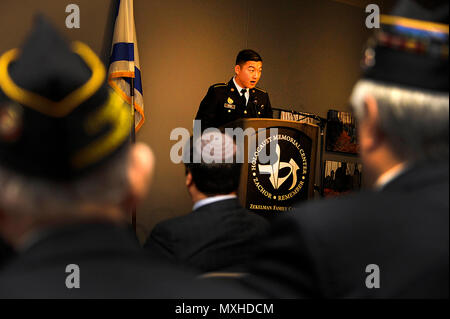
(219, 234)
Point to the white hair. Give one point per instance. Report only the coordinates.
(414, 121)
(37, 197)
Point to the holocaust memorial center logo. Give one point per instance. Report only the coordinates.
(276, 184)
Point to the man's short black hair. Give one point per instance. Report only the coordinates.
(214, 178)
(247, 55)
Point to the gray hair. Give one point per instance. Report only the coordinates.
(37, 197)
(414, 121)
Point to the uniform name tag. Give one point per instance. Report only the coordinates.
(229, 106)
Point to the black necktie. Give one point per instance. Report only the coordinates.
(244, 100)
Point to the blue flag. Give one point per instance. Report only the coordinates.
(124, 62)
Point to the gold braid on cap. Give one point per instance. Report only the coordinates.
(414, 24)
(44, 105)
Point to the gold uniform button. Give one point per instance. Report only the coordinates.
(229, 111)
(245, 112)
(259, 113)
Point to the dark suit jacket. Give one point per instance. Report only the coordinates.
(223, 104)
(218, 236)
(111, 265)
(6, 252)
(323, 248)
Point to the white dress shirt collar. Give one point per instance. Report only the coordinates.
(391, 174)
(247, 94)
(210, 200)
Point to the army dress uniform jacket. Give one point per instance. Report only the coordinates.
(224, 104)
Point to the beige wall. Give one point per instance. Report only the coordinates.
(17, 17)
(311, 52)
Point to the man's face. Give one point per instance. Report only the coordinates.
(247, 75)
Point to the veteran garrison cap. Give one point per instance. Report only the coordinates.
(411, 47)
(58, 118)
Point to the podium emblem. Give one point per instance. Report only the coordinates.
(275, 168)
(278, 180)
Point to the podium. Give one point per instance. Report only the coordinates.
(277, 182)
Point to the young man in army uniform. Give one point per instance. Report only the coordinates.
(239, 98)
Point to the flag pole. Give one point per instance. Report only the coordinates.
(133, 132)
(133, 141)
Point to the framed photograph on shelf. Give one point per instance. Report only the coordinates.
(341, 133)
(341, 178)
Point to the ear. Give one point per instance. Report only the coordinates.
(237, 69)
(140, 170)
(189, 180)
(370, 137)
(12, 228)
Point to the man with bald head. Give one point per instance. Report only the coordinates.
(218, 234)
